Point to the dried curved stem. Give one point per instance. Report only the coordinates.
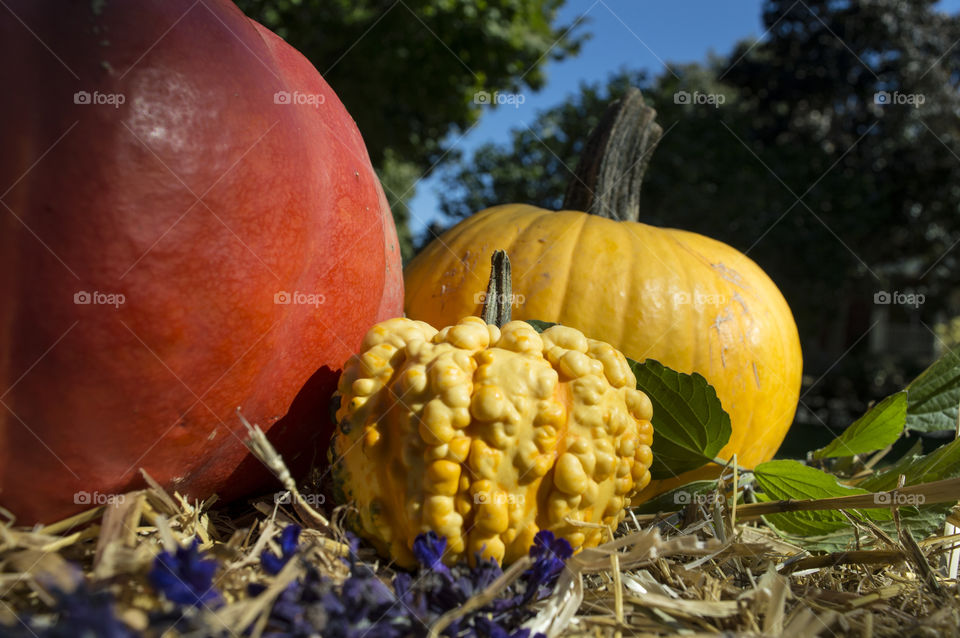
(610, 172)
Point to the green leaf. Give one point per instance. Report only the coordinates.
(878, 428)
(540, 326)
(832, 542)
(915, 452)
(829, 531)
(922, 522)
(677, 498)
(689, 423)
(934, 395)
(787, 479)
(792, 480)
(942, 463)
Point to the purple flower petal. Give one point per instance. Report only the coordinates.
(289, 539)
(272, 564)
(429, 549)
(185, 577)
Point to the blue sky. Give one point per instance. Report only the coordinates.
(636, 34)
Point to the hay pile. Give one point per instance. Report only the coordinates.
(704, 570)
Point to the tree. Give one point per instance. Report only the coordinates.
(408, 71)
(536, 165)
(817, 89)
(833, 161)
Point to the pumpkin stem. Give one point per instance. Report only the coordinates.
(610, 171)
(497, 302)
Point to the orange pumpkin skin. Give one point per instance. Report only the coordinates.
(688, 301)
(104, 197)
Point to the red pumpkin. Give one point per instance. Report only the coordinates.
(179, 168)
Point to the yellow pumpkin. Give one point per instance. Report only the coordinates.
(487, 435)
(690, 302)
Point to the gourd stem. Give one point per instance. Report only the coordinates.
(610, 171)
(496, 303)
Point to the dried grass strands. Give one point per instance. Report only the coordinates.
(916, 556)
(72, 522)
(945, 491)
(161, 500)
(689, 608)
(261, 448)
(119, 526)
(775, 589)
(239, 616)
(858, 557)
(631, 551)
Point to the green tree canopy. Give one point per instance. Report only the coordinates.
(408, 71)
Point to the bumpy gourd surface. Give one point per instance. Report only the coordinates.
(487, 436)
(690, 302)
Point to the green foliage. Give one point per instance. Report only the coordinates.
(821, 531)
(881, 177)
(692, 492)
(689, 432)
(689, 423)
(826, 530)
(875, 430)
(538, 162)
(942, 463)
(799, 114)
(792, 480)
(408, 71)
(540, 326)
(935, 396)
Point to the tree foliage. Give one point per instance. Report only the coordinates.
(408, 70)
(539, 161)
